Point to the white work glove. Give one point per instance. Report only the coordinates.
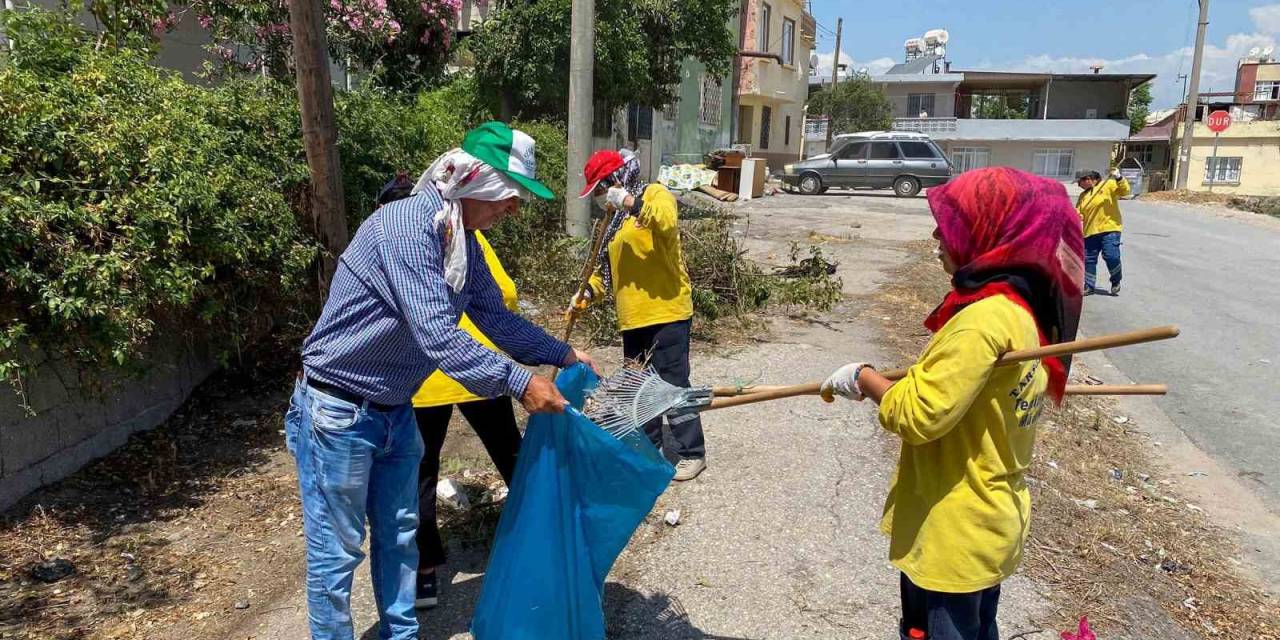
(1115, 174)
(844, 382)
(580, 301)
(617, 196)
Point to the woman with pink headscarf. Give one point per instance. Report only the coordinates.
(958, 509)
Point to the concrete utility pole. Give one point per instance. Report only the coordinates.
(582, 49)
(319, 134)
(835, 59)
(1193, 99)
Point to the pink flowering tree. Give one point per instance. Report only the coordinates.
(401, 44)
(132, 22)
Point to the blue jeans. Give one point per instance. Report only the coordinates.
(355, 461)
(1108, 244)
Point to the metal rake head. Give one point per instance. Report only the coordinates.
(625, 401)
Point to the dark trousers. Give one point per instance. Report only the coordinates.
(494, 420)
(949, 616)
(665, 347)
(1108, 244)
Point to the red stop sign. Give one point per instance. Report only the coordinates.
(1218, 121)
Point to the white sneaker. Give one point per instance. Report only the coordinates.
(689, 468)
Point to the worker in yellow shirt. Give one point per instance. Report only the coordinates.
(641, 264)
(493, 420)
(1099, 208)
(958, 509)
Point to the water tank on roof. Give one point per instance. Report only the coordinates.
(913, 44)
(936, 36)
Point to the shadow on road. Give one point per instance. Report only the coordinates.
(628, 613)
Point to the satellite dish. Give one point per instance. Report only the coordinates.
(863, 71)
(1253, 53)
(1266, 53)
(941, 52)
(813, 61)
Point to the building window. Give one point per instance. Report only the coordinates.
(601, 121)
(786, 133)
(920, 104)
(766, 115)
(966, 158)
(639, 123)
(1144, 153)
(1266, 90)
(788, 41)
(745, 117)
(766, 15)
(1054, 163)
(710, 106)
(1222, 169)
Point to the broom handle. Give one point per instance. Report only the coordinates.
(588, 268)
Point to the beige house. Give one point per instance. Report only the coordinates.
(1248, 156)
(1045, 123)
(776, 42)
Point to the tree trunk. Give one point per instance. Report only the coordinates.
(319, 134)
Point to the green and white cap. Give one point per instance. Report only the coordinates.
(509, 151)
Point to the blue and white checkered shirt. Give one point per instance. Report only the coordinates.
(391, 320)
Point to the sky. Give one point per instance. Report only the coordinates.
(1154, 36)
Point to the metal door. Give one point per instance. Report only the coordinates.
(849, 165)
(884, 163)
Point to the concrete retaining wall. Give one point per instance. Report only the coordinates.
(80, 416)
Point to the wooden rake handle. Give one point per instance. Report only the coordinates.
(724, 397)
(1109, 341)
(726, 393)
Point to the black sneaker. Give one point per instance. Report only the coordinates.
(1115, 289)
(428, 592)
(1089, 291)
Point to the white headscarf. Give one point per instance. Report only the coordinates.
(458, 174)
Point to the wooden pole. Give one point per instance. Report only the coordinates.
(319, 133)
(582, 56)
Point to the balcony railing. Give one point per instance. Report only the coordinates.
(925, 125)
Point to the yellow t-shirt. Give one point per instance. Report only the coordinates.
(439, 389)
(958, 508)
(650, 283)
(1099, 207)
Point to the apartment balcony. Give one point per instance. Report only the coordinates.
(1088, 130)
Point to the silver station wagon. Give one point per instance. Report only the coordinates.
(903, 161)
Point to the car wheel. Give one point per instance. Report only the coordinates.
(906, 186)
(811, 184)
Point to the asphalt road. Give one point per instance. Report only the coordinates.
(1218, 278)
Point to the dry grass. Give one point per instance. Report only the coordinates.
(1188, 197)
(1138, 539)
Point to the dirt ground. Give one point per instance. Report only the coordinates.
(192, 531)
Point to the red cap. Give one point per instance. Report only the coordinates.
(916, 634)
(599, 166)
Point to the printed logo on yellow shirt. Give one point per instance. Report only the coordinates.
(1027, 411)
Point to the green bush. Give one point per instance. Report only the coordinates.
(130, 198)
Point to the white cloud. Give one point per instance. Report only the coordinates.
(1217, 73)
(878, 65)
(1266, 18)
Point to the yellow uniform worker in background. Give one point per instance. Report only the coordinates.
(642, 265)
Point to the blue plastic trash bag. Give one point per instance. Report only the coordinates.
(577, 496)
